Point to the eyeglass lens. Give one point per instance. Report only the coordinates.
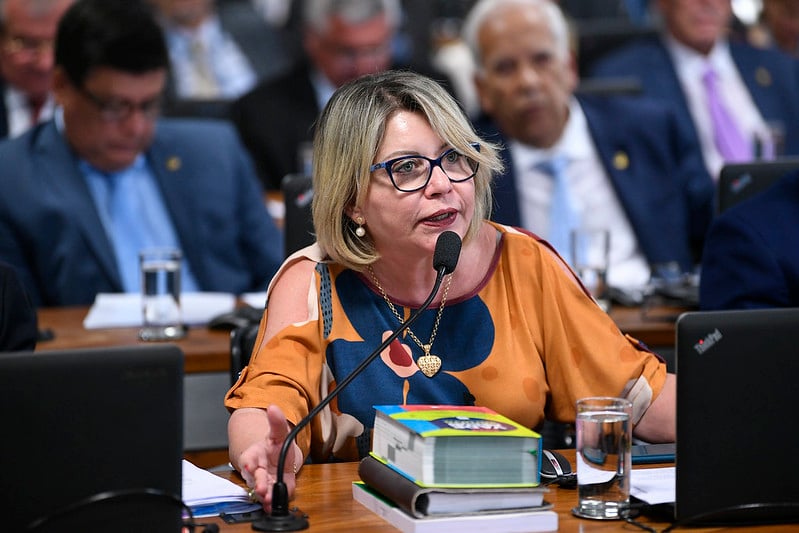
(412, 173)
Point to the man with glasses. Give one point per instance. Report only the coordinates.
(85, 192)
(342, 40)
(27, 30)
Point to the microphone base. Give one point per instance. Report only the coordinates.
(296, 520)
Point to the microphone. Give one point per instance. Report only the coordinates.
(445, 258)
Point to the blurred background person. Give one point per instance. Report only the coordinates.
(27, 32)
(342, 40)
(218, 50)
(85, 192)
(572, 162)
(735, 101)
(777, 26)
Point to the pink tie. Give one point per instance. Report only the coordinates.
(731, 143)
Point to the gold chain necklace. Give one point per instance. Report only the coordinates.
(428, 363)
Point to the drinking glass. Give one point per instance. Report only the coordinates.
(604, 435)
(160, 290)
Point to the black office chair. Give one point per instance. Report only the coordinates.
(242, 343)
(298, 227)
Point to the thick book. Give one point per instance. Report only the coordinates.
(430, 501)
(456, 446)
(542, 519)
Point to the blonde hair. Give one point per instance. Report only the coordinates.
(349, 133)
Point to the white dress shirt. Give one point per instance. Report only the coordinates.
(19, 113)
(690, 66)
(592, 193)
(226, 63)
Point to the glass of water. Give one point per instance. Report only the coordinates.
(604, 435)
(160, 270)
(590, 255)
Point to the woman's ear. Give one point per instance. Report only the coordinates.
(353, 213)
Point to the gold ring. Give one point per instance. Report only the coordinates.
(251, 495)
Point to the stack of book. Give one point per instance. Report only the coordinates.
(442, 468)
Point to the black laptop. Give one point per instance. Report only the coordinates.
(739, 181)
(92, 439)
(737, 451)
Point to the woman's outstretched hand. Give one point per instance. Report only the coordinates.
(259, 461)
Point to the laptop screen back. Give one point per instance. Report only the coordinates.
(94, 424)
(739, 181)
(736, 416)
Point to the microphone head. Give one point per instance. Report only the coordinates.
(448, 249)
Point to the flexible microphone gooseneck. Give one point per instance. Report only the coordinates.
(445, 258)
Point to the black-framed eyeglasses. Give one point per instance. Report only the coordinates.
(411, 173)
(115, 110)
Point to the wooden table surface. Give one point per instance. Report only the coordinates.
(324, 493)
(205, 350)
(209, 350)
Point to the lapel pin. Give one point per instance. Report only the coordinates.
(763, 76)
(173, 163)
(621, 161)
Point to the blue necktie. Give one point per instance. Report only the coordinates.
(130, 226)
(563, 216)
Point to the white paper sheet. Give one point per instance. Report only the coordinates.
(123, 310)
(654, 485)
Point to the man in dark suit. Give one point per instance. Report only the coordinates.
(756, 87)
(751, 257)
(84, 193)
(627, 169)
(342, 41)
(18, 324)
(27, 30)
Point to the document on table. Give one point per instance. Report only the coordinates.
(208, 494)
(124, 310)
(653, 485)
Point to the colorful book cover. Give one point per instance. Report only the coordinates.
(455, 420)
(456, 446)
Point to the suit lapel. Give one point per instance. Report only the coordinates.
(57, 166)
(168, 166)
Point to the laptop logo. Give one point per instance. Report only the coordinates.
(708, 342)
(740, 183)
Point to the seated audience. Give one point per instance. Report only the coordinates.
(415, 168)
(735, 101)
(342, 39)
(751, 257)
(18, 323)
(27, 31)
(83, 193)
(218, 49)
(623, 164)
(777, 27)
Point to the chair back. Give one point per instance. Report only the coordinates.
(298, 227)
(242, 343)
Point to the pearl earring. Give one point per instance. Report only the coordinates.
(359, 231)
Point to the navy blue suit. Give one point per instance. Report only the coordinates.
(51, 232)
(772, 79)
(663, 188)
(751, 257)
